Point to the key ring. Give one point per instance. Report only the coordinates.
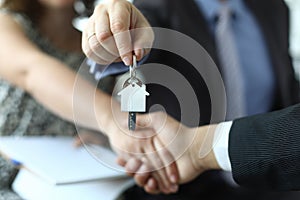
(132, 68)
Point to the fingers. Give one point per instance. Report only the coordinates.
(105, 36)
(142, 175)
(152, 186)
(120, 161)
(108, 37)
(143, 36)
(120, 21)
(94, 38)
(152, 181)
(159, 172)
(155, 158)
(132, 166)
(168, 160)
(142, 168)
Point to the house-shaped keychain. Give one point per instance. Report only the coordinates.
(133, 98)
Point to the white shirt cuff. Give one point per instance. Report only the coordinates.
(220, 145)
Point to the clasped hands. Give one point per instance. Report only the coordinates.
(162, 153)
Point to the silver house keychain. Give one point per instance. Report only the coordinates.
(133, 96)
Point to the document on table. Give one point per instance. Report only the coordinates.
(55, 159)
(54, 168)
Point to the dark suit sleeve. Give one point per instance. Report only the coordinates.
(265, 150)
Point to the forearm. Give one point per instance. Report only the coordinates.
(67, 95)
(48, 80)
(202, 149)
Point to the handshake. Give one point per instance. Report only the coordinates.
(161, 153)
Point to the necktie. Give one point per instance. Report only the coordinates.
(230, 66)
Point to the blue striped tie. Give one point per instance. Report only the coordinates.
(230, 65)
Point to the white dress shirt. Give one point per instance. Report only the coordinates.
(220, 145)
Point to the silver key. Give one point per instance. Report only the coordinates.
(131, 121)
(133, 97)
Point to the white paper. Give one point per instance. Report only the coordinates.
(31, 187)
(57, 161)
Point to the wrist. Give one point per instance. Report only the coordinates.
(202, 149)
(104, 113)
(113, 120)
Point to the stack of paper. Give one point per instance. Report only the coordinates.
(54, 169)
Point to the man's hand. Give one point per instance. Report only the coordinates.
(115, 31)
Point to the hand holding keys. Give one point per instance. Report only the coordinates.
(133, 96)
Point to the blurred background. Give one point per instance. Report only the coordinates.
(294, 6)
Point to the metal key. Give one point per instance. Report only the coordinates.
(131, 114)
(133, 96)
(131, 121)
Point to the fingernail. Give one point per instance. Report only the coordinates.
(174, 188)
(151, 183)
(126, 60)
(173, 179)
(132, 165)
(143, 169)
(139, 53)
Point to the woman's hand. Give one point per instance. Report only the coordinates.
(115, 31)
(132, 145)
(90, 137)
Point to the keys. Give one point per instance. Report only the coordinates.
(133, 99)
(131, 121)
(133, 96)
